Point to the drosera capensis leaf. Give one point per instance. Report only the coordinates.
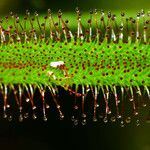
(108, 57)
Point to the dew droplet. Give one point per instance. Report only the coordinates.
(45, 118)
(122, 124)
(137, 122)
(76, 107)
(136, 113)
(105, 119)
(94, 119)
(20, 118)
(62, 117)
(128, 120)
(34, 116)
(76, 122)
(26, 115)
(58, 106)
(34, 107)
(118, 101)
(72, 118)
(113, 119)
(119, 116)
(84, 122)
(97, 105)
(47, 106)
(84, 115)
(10, 118)
(27, 100)
(4, 115)
(20, 108)
(144, 105)
(8, 106)
(131, 99)
(109, 112)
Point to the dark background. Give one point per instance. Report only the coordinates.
(20, 6)
(54, 134)
(58, 134)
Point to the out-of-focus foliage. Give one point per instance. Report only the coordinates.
(20, 6)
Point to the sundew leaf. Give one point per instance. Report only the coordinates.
(107, 56)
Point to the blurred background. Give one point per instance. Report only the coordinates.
(37, 135)
(20, 6)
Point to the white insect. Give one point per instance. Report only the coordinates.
(56, 64)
